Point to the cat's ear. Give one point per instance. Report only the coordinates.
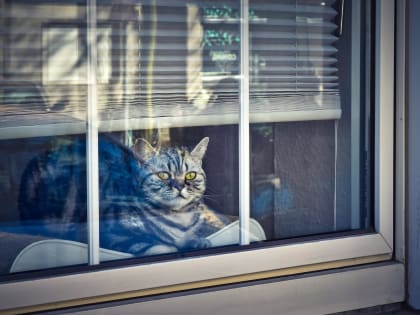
(201, 148)
(143, 149)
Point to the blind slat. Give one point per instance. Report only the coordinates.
(191, 53)
(295, 50)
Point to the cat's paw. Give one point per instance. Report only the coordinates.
(197, 243)
(160, 249)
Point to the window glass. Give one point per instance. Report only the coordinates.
(120, 126)
(310, 149)
(43, 101)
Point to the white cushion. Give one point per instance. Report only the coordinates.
(51, 253)
(229, 235)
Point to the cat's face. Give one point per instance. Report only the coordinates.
(175, 177)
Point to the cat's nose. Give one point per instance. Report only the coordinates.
(181, 190)
(177, 185)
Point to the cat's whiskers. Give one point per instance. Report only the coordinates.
(210, 190)
(207, 197)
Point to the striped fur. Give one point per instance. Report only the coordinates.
(151, 201)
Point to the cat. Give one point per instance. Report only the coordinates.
(151, 200)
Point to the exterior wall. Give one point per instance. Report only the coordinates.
(413, 144)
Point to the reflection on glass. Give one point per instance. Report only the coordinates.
(42, 171)
(167, 179)
(167, 98)
(305, 151)
(152, 198)
(167, 93)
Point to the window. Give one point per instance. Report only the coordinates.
(163, 135)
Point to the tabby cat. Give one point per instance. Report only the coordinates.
(151, 200)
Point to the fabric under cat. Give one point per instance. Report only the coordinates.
(151, 201)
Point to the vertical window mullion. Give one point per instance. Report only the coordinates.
(244, 154)
(92, 159)
(384, 118)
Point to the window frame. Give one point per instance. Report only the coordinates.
(250, 263)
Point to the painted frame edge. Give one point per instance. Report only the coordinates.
(340, 291)
(384, 119)
(203, 268)
(244, 133)
(92, 150)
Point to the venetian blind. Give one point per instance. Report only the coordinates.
(44, 68)
(194, 50)
(294, 59)
(165, 63)
(189, 62)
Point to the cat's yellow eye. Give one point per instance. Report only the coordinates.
(163, 175)
(190, 175)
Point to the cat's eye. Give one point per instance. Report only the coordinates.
(163, 175)
(190, 175)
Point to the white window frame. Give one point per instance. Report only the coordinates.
(385, 280)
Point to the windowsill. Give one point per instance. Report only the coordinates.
(336, 291)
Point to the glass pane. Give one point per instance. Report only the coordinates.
(43, 93)
(168, 121)
(311, 155)
(165, 85)
(166, 98)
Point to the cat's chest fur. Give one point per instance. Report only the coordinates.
(180, 225)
